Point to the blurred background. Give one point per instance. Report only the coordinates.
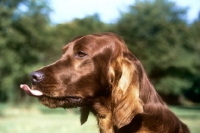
(163, 34)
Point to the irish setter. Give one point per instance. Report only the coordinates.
(99, 74)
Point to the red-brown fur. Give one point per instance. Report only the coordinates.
(99, 74)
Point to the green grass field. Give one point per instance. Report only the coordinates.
(39, 119)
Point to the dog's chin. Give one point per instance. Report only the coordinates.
(64, 102)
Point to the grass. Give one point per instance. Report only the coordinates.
(39, 119)
(189, 115)
(44, 120)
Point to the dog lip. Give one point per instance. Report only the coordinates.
(68, 98)
(75, 99)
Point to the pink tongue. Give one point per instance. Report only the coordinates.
(29, 91)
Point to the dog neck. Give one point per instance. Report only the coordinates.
(102, 110)
(105, 123)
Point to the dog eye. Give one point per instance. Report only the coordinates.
(80, 54)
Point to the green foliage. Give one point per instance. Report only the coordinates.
(78, 27)
(193, 93)
(157, 33)
(23, 38)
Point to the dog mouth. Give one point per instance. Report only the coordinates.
(53, 102)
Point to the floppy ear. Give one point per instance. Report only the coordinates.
(84, 114)
(124, 80)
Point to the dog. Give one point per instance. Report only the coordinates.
(98, 73)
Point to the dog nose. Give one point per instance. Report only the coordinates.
(36, 76)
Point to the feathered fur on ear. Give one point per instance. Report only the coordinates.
(125, 91)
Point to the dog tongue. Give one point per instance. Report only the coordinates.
(29, 91)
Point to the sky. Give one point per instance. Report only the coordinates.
(109, 10)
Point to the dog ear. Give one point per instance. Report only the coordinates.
(84, 114)
(124, 79)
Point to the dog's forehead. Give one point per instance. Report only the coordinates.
(90, 43)
(84, 43)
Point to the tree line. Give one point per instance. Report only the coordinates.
(157, 33)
